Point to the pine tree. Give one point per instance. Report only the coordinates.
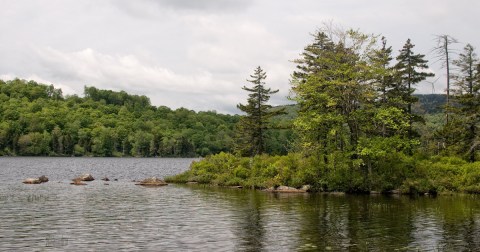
(382, 71)
(467, 95)
(310, 62)
(252, 127)
(410, 68)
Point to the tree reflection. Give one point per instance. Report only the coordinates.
(318, 222)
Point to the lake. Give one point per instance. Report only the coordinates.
(57, 216)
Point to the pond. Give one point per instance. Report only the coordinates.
(118, 215)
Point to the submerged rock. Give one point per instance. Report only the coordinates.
(154, 181)
(39, 180)
(32, 181)
(77, 182)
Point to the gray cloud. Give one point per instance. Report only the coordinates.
(211, 5)
(151, 8)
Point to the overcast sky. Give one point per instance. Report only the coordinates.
(198, 54)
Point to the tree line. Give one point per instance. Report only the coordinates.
(37, 120)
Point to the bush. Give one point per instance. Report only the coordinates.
(409, 174)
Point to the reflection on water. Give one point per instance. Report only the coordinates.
(56, 216)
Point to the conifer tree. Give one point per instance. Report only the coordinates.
(382, 71)
(411, 70)
(252, 127)
(467, 95)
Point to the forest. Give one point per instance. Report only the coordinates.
(359, 127)
(37, 120)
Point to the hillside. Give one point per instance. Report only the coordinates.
(37, 119)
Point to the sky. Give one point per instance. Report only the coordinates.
(199, 54)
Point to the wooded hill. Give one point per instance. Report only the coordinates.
(38, 120)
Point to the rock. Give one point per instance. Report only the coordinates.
(87, 177)
(396, 191)
(152, 182)
(77, 182)
(39, 180)
(306, 188)
(106, 184)
(285, 189)
(84, 177)
(105, 179)
(32, 181)
(192, 182)
(115, 180)
(43, 178)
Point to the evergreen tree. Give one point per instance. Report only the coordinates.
(410, 69)
(251, 129)
(349, 120)
(310, 63)
(467, 95)
(382, 72)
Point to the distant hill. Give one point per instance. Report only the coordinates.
(429, 103)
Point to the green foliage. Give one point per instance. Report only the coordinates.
(36, 119)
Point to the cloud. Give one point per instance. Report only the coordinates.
(198, 54)
(151, 8)
(213, 5)
(128, 72)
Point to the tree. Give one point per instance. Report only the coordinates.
(467, 95)
(410, 68)
(251, 129)
(443, 52)
(351, 122)
(383, 73)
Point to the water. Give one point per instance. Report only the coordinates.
(57, 216)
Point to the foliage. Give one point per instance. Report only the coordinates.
(37, 119)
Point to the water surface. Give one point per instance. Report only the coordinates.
(57, 216)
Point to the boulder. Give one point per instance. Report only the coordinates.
(286, 189)
(84, 177)
(43, 178)
(154, 181)
(307, 188)
(32, 181)
(39, 180)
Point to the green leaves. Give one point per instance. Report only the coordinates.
(104, 123)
